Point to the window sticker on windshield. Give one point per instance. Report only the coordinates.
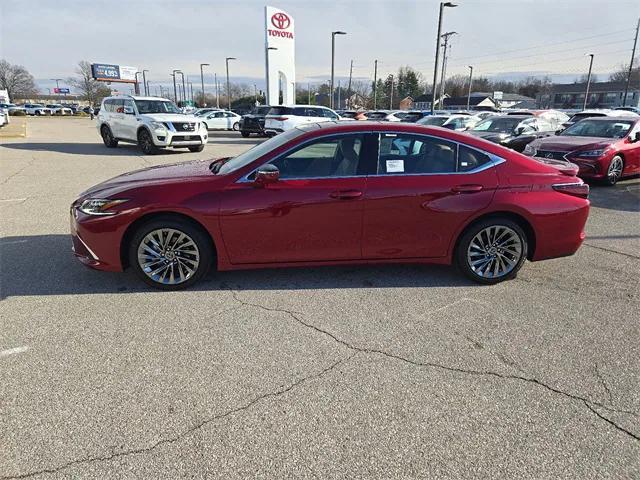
(395, 166)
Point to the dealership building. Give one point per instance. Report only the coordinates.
(601, 95)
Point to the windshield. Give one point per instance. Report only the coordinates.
(259, 150)
(435, 121)
(497, 124)
(598, 128)
(580, 116)
(156, 106)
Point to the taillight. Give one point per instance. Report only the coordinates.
(576, 189)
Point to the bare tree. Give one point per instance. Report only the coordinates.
(620, 75)
(18, 82)
(90, 88)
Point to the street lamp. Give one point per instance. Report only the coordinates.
(175, 89)
(228, 88)
(184, 90)
(586, 94)
(469, 92)
(266, 52)
(435, 67)
(202, 78)
(333, 58)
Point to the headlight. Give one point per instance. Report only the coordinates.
(529, 150)
(158, 126)
(99, 206)
(591, 153)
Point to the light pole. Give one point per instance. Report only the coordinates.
(184, 90)
(228, 88)
(333, 59)
(633, 54)
(137, 85)
(215, 80)
(375, 84)
(175, 88)
(309, 93)
(266, 53)
(586, 93)
(469, 92)
(435, 67)
(391, 95)
(144, 82)
(255, 91)
(202, 78)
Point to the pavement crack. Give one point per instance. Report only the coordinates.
(610, 250)
(283, 389)
(19, 171)
(297, 316)
(604, 384)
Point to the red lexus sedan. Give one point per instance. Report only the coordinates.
(604, 148)
(336, 193)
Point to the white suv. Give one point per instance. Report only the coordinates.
(281, 118)
(151, 122)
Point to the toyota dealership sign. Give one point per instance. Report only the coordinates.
(280, 56)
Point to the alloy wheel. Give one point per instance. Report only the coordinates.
(494, 252)
(168, 256)
(614, 172)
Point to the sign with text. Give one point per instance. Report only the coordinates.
(61, 90)
(106, 72)
(280, 56)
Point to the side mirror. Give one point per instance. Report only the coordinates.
(519, 130)
(635, 138)
(267, 174)
(128, 110)
(559, 131)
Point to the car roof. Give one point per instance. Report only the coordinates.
(136, 97)
(614, 118)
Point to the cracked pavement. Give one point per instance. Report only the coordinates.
(350, 372)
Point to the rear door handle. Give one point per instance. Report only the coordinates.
(346, 194)
(469, 188)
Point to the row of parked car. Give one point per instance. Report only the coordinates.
(39, 109)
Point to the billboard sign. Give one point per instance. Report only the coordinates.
(61, 90)
(280, 56)
(106, 72)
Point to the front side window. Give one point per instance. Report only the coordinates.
(324, 158)
(414, 154)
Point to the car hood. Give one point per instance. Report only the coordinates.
(494, 137)
(162, 174)
(170, 117)
(567, 143)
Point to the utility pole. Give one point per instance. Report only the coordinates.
(333, 59)
(215, 80)
(144, 82)
(175, 88)
(137, 85)
(469, 92)
(308, 93)
(349, 87)
(633, 54)
(391, 95)
(339, 92)
(435, 66)
(586, 94)
(202, 79)
(228, 86)
(446, 46)
(375, 84)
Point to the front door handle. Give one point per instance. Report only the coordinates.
(346, 194)
(468, 188)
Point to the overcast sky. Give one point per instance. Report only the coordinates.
(496, 36)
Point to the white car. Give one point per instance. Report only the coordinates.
(221, 120)
(36, 109)
(204, 111)
(4, 117)
(459, 123)
(383, 116)
(56, 107)
(283, 118)
(151, 122)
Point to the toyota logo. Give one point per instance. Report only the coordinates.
(281, 20)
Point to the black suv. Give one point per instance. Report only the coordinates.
(254, 122)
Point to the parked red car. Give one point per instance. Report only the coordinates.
(336, 194)
(604, 148)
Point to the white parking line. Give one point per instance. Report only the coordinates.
(13, 351)
(13, 200)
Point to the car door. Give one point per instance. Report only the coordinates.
(129, 120)
(312, 213)
(630, 148)
(116, 117)
(424, 189)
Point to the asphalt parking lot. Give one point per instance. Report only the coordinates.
(351, 372)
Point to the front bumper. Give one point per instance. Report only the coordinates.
(95, 241)
(167, 138)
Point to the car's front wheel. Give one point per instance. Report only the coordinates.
(244, 133)
(107, 137)
(196, 148)
(146, 142)
(170, 254)
(614, 172)
(492, 250)
(236, 126)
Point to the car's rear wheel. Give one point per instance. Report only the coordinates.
(492, 250)
(107, 137)
(196, 148)
(614, 171)
(236, 126)
(244, 133)
(170, 254)
(146, 142)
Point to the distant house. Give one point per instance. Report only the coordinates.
(476, 102)
(601, 95)
(406, 103)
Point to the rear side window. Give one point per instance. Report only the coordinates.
(414, 154)
(470, 159)
(300, 112)
(280, 111)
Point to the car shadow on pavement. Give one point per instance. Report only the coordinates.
(125, 150)
(45, 265)
(623, 196)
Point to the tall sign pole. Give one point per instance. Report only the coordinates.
(633, 54)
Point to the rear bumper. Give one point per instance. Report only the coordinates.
(273, 130)
(561, 234)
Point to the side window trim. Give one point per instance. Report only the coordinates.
(494, 160)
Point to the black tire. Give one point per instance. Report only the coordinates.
(463, 251)
(145, 142)
(236, 126)
(611, 179)
(200, 238)
(196, 148)
(244, 133)
(107, 137)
